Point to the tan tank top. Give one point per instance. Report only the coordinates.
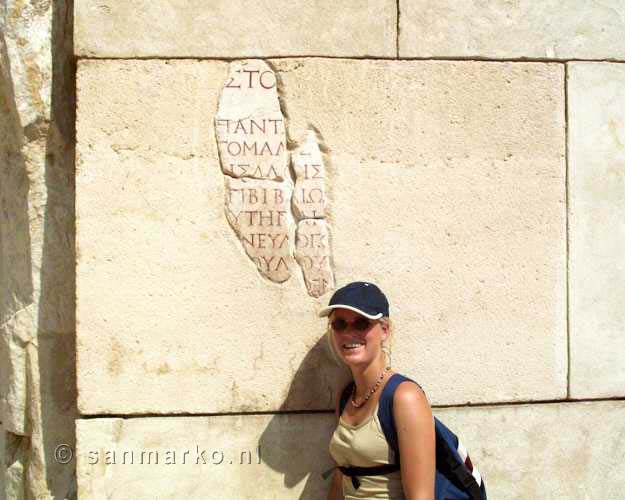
(364, 445)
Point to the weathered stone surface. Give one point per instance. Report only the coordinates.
(559, 29)
(14, 468)
(18, 332)
(162, 277)
(596, 109)
(533, 451)
(3, 453)
(309, 200)
(249, 125)
(26, 34)
(117, 28)
(313, 254)
(523, 452)
(258, 211)
(251, 456)
(37, 401)
(445, 185)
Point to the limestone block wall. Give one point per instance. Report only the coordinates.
(401, 204)
(37, 304)
(234, 164)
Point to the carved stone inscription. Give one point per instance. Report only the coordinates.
(249, 125)
(312, 252)
(260, 203)
(251, 140)
(309, 194)
(312, 245)
(257, 210)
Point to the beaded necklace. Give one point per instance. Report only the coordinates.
(371, 391)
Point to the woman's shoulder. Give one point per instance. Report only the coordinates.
(411, 406)
(409, 392)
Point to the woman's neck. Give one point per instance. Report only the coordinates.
(367, 377)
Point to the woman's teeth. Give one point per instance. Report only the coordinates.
(352, 345)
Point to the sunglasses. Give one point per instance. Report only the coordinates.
(360, 324)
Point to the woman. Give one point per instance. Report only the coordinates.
(359, 335)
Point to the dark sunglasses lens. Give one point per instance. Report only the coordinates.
(338, 325)
(361, 324)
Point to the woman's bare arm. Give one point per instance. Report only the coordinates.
(336, 487)
(417, 446)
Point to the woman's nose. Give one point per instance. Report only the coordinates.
(353, 332)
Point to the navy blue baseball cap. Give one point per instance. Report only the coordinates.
(361, 297)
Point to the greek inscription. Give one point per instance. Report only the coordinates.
(243, 148)
(251, 78)
(313, 240)
(230, 84)
(314, 195)
(272, 265)
(249, 125)
(260, 204)
(312, 253)
(309, 200)
(315, 262)
(258, 212)
(266, 240)
(254, 195)
(312, 171)
(312, 247)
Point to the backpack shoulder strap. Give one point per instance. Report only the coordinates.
(448, 459)
(345, 396)
(385, 411)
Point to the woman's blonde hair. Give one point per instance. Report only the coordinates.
(386, 344)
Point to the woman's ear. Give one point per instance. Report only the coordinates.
(385, 330)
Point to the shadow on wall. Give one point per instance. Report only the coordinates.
(296, 444)
(37, 275)
(57, 301)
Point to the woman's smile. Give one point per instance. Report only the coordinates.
(354, 335)
(353, 346)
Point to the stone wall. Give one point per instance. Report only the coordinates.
(235, 164)
(37, 305)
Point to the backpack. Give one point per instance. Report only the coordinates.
(456, 476)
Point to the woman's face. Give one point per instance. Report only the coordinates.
(357, 346)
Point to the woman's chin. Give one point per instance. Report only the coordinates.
(354, 358)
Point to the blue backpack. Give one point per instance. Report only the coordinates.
(456, 477)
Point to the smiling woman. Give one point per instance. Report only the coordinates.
(359, 333)
(387, 345)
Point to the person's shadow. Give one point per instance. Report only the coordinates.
(295, 443)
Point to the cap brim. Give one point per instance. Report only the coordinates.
(327, 310)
